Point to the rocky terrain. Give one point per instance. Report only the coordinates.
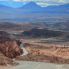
(46, 52)
(52, 50)
(9, 48)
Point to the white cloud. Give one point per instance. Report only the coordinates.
(47, 1)
(62, 1)
(16, 0)
(43, 2)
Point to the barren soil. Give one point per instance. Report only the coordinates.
(46, 52)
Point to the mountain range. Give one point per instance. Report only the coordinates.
(32, 6)
(30, 11)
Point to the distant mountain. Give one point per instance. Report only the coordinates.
(65, 6)
(32, 12)
(3, 6)
(59, 8)
(13, 4)
(7, 12)
(5, 9)
(31, 5)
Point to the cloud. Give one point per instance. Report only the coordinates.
(39, 0)
(43, 2)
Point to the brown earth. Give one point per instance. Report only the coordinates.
(45, 52)
(9, 48)
(5, 60)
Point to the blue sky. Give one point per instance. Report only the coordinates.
(39, 2)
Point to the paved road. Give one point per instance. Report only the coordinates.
(39, 65)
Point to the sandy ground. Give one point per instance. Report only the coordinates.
(37, 65)
(58, 50)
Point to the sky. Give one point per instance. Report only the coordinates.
(39, 2)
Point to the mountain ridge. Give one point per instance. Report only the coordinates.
(31, 5)
(31, 12)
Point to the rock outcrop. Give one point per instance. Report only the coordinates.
(5, 60)
(9, 47)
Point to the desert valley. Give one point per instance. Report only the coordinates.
(33, 36)
(42, 44)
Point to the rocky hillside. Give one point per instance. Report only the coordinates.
(9, 48)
